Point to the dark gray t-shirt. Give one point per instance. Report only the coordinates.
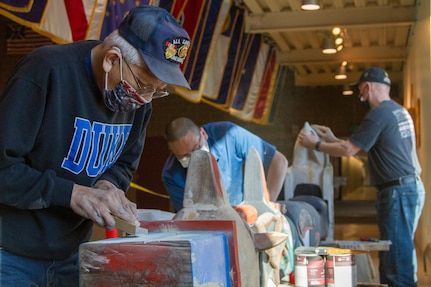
(387, 133)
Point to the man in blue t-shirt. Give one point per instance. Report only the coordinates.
(230, 145)
(387, 135)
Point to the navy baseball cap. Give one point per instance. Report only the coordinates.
(161, 41)
(376, 75)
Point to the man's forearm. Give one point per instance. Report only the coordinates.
(339, 148)
(276, 175)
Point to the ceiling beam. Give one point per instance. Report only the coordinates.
(325, 19)
(253, 6)
(327, 79)
(355, 54)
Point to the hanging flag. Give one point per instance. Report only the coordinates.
(204, 36)
(266, 95)
(170, 5)
(115, 13)
(250, 79)
(226, 67)
(239, 68)
(225, 61)
(279, 88)
(63, 21)
(23, 10)
(23, 40)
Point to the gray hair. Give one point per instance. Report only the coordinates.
(381, 87)
(130, 53)
(179, 127)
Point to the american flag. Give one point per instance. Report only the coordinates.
(23, 40)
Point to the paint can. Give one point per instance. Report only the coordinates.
(341, 270)
(309, 270)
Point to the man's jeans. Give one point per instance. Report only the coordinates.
(17, 271)
(398, 212)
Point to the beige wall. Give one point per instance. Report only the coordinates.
(417, 87)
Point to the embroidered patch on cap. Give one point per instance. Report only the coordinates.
(176, 49)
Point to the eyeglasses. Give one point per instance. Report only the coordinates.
(147, 91)
(196, 146)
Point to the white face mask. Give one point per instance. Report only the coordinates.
(205, 147)
(185, 160)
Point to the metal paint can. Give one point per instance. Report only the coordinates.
(341, 270)
(309, 270)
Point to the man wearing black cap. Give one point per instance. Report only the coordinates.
(73, 120)
(387, 135)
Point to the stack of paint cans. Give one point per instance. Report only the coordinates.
(330, 270)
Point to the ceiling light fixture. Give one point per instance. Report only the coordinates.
(336, 31)
(341, 73)
(310, 5)
(347, 90)
(339, 41)
(328, 46)
(334, 42)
